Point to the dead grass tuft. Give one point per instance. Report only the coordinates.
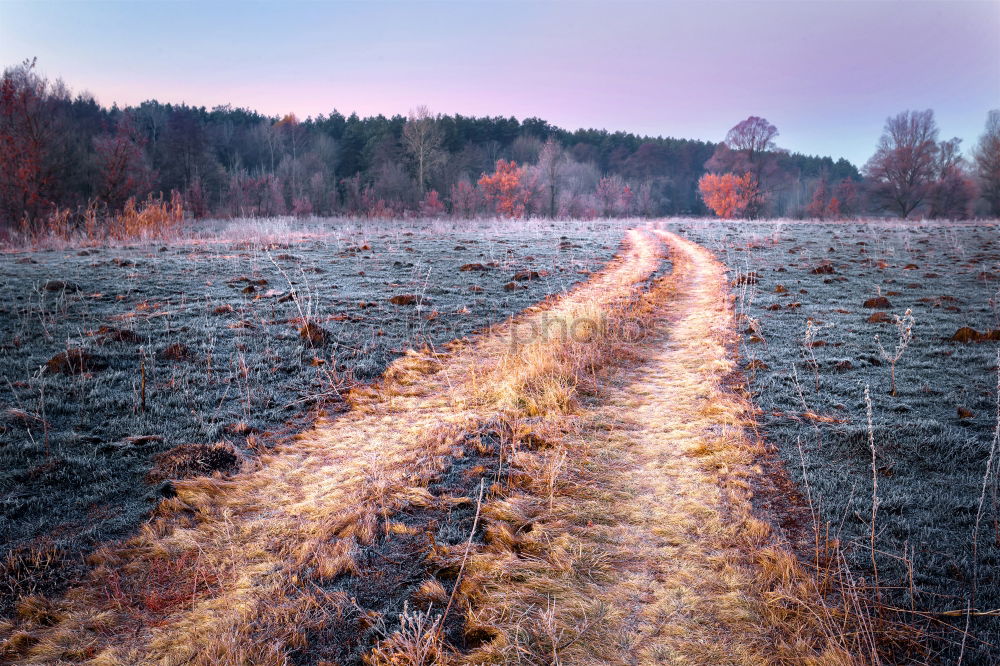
(416, 643)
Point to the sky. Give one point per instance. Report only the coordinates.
(827, 74)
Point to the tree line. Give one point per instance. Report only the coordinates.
(911, 173)
(65, 153)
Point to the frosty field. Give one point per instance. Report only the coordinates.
(292, 409)
(932, 440)
(213, 328)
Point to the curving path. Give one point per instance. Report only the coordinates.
(693, 577)
(651, 553)
(253, 546)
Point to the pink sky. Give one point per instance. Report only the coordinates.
(826, 73)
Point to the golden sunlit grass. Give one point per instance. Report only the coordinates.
(617, 526)
(256, 545)
(634, 540)
(150, 218)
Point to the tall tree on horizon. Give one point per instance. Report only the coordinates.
(753, 136)
(550, 163)
(903, 168)
(423, 140)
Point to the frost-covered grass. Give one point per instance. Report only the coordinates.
(932, 439)
(201, 344)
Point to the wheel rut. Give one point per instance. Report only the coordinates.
(581, 497)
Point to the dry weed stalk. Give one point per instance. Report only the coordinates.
(871, 446)
(904, 328)
(987, 473)
(807, 343)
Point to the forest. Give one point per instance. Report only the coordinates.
(69, 159)
(234, 162)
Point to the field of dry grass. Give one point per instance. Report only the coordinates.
(586, 483)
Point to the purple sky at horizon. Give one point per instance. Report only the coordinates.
(827, 74)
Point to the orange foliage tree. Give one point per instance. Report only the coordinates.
(728, 194)
(506, 189)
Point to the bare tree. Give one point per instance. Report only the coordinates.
(753, 136)
(290, 130)
(550, 162)
(422, 140)
(525, 149)
(987, 161)
(269, 135)
(954, 190)
(903, 169)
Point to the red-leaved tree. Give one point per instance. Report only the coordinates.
(818, 207)
(431, 205)
(749, 148)
(728, 195)
(26, 128)
(506, 189)
(847, 198)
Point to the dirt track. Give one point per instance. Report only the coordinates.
(694, 577)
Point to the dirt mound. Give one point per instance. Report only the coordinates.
(313, 333)
(189, 460)
(968, 334)
(176, 352)
(74, 362)
(60, 285)
(409, 299)
(112, 334)
(879, 302)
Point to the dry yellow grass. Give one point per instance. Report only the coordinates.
(635, 542)
(254, 544)
(619, 528)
